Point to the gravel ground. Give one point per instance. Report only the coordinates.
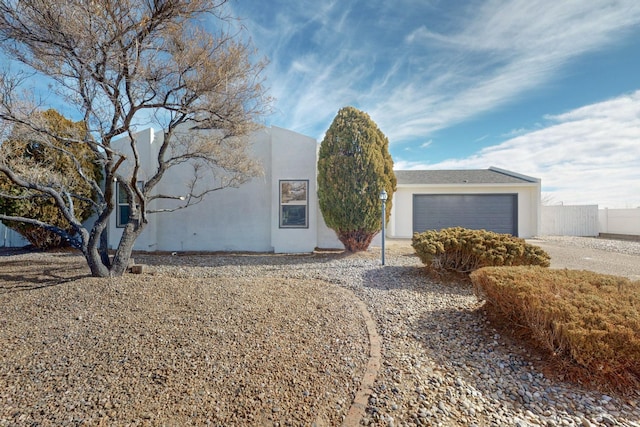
(173, 349)
(277, 342)
(616, 257)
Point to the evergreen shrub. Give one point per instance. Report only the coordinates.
(590, 321)
(354, 166)
(47, 161)
(463, 250)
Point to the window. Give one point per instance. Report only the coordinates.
(122, 204)
(294, 203)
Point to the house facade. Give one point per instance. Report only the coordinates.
(492, 199)
(276, 212)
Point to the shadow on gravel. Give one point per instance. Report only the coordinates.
(413, 278)
(20, 274)
(6, 288)
(17, 251)
(17, 283)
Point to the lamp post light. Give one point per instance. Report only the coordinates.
(383, 197)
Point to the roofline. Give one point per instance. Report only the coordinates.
(515, 174)
(473, 185)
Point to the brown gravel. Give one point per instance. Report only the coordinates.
(159, 350)
(276, 340)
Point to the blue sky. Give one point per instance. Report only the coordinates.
(546, 88)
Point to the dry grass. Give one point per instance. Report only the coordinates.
(587, 319)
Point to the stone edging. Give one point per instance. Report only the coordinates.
(356, 411)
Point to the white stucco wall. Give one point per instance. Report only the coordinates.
(10, 238)
(234, 219)
(147, 147)
(293, 157)
(326, 236)
(401, 221)
(230, 219)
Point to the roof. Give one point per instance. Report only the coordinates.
(492, 175)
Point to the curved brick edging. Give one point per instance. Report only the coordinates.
(356, 411)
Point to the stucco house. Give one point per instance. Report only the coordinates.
(278, 211)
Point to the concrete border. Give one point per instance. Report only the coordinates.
(613, 236)
(359, 404)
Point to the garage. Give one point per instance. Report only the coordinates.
(493, 212)
(492, 199)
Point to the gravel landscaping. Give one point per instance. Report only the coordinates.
(247, 339)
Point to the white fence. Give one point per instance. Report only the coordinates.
(569, 220)
(588, 221)
(620, 221)
(11, 239)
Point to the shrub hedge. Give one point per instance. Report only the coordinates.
(462, 250)
(588, 319)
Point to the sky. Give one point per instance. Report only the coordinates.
(544, 88)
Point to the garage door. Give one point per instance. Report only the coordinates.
(493, 212)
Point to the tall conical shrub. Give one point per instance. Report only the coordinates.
(354, 166)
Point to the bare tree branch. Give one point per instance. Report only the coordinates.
(117, 64)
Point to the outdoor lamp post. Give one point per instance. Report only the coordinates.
(383, 197)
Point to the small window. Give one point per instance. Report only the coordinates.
(122, 205)
(294, 204)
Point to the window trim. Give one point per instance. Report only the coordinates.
(284, 201)
(119, 204)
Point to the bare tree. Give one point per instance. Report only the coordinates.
(118, 64)
(548, 199)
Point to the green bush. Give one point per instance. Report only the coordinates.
(354, 166)
(462, 250)
(587, 319)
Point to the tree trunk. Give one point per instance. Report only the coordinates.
(104, 248)
(356, 240)
(97, 256)
(94, 261)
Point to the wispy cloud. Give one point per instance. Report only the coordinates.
(426, 143)
(419, 67)
(587, 155)
(504, 50)
(415, 76)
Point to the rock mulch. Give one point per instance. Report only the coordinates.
(442, 362)
(162, 350)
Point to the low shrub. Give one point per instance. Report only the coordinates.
(588, 319)
(462, 250)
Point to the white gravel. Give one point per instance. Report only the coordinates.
(443, 363)
(629, 247)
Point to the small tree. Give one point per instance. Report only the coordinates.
(354, 166)
(47, 159)
(118, 64)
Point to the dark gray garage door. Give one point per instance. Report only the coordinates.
(493, 212)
